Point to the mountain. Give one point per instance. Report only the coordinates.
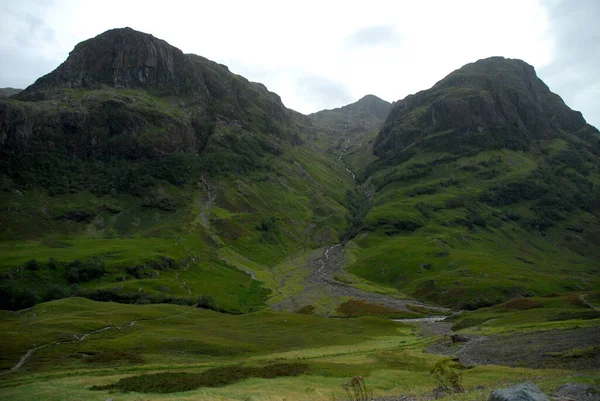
(8, 92)
(361, 115)
(485, 187)
(493, 103)
(145, 98)
(167, 226)
(136, 172)
(351, 130)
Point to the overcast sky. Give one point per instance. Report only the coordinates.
(325, 54)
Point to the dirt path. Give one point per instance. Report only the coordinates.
(585, 301)
(78, 338)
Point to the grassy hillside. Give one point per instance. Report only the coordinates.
(451, 214)
(432, 232)
(131, 188)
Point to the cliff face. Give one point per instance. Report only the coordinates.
(128, 94)
(123, 58)
(492, 103)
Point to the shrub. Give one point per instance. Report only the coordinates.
(56, 291)
(356, 308)
(80, 272)
(307, 310)
(520, 304)
(32, 265)
(447, 378)
(207, 302)
(357, 389)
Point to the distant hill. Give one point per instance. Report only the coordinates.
(351, 129)
(8, 92)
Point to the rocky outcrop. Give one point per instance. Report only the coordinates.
(521, 392)
(122, 58)
(492, 103)
(576, 392)
(128, 94)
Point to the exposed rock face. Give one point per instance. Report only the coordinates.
(122, 58)
(492, 103)
(128, 94)
(577, 392)
(521, 392)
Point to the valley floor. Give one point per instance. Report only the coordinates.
(86, 343)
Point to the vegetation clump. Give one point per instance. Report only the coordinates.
(447, 377)
(356, 308)
(171, 382)
(307, 310)
(356, 389)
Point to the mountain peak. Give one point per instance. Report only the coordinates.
(121, 57)
(367, 105)
(371, 98)
(496, 102)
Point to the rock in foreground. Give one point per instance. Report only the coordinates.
(521, 392)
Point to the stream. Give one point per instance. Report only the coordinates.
(347, 144)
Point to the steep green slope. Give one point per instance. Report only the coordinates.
(129, 170)
(486, 187)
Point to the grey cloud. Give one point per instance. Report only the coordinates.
(23, 35)
(34, 30)
(322, 92)
(256, 72)
(574, 73)
(22, 68)
(374, 36)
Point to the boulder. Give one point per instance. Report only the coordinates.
(459, 338)
(577, 392)
(521, 392)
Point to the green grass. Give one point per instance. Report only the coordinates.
(190, 332)
(190, 351)
(536, 313)
(429, 234)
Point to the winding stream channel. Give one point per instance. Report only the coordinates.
(346, 145)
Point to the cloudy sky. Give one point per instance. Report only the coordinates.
(324, 54)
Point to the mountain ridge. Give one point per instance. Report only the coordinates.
(153, 146)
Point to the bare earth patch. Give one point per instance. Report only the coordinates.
(568, 349)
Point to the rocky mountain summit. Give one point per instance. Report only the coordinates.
(361, 116)
(492, 103)
(123, 58)
(126, 95)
